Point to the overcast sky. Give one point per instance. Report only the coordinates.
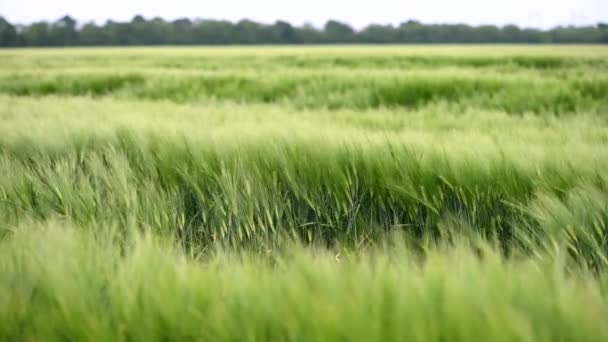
(535, 13)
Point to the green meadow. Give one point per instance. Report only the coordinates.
(423, 193)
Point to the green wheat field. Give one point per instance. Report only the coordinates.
(419, 193)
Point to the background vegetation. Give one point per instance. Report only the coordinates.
(66, 31)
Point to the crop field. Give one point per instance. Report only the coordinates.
(423, 193)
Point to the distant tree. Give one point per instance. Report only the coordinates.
(158, 32)
(118, 33)
(411, 31)
(285, 32)
(308, 34)
(63, 32)
(337, 32)
(8, 34)
(247, 32)
(182, 32)
(155, 31)
(214, 32)
(603, 28)
(488, 34)
(569, 34)
(511, 34)
(379, 34)
(91, 34)
(36, 34)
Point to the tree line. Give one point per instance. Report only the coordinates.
(66, 31)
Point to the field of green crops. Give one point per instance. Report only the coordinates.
(445, 193)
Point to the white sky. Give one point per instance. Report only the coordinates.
(534, 13)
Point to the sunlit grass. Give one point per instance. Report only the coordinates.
(318, 193)
(57, 281)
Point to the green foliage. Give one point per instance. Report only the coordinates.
(156, 31)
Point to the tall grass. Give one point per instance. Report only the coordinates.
(205, 184)
(312, 194)
(517, 82)
(60, 283)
